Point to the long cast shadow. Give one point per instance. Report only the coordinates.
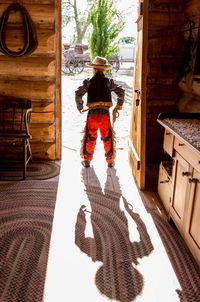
(118, 277)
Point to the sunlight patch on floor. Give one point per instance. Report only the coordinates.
(70, 275)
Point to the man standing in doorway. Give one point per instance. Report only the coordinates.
(99, 90)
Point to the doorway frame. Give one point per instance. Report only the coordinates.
(143, 4)
(58, 81)
(137, 141)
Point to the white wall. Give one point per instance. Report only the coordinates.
(127, 52)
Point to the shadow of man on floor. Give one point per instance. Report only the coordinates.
(118, 277)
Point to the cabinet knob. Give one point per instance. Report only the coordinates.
(186, 173)
(167, 133)
(180, 144)
(194, 180)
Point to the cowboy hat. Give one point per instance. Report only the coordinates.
(100, 63)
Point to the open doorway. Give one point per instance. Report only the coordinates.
(75, 57)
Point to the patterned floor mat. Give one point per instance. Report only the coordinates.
(26, 215)
(39, 170)
(181, 260)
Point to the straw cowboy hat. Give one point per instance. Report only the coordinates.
(100, 63)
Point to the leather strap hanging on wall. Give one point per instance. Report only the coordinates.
(30, 36)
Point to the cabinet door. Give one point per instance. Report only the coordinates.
(180, 175)
(192, 232)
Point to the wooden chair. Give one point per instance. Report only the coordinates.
(15, 116)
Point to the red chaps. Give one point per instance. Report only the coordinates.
(94, 123)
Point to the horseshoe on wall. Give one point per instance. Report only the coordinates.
(30, 36)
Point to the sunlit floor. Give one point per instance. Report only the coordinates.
(71, 272)
(107, 243)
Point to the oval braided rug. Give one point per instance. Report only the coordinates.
(26, 215)
(181, 260)
(39, 170)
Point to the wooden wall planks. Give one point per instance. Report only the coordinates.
(165, 49)
(36, 76)
(167, 36)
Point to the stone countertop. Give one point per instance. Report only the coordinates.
(186, 126)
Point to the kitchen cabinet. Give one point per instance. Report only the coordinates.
(181, 195)
(180, 183)
(192, 219)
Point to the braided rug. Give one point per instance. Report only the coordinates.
(182, 262)
(26, 215)
(39, 170)
(118, 277)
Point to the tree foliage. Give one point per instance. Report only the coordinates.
(106, 26)
(66, 13)
(81, 17)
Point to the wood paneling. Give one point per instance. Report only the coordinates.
(27, 67)
(165, 49)
(42, 15)
(43, 151)
(27, 89)
(36, 76)
(46, 39)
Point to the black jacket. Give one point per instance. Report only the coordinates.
(99, 89)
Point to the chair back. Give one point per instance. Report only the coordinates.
(15, 114)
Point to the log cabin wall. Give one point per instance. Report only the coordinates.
(36, 76)
(165, 52)
(190, 81)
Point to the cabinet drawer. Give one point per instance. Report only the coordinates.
(189, 154)
(165, 184)
(168, 144)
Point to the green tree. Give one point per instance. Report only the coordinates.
(106, 26)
